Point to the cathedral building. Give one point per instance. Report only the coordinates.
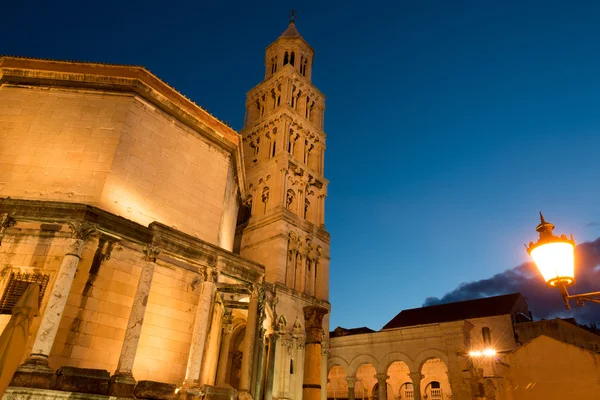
(174, 257)
(155, 253)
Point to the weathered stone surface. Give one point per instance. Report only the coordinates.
(121, 385)
(23, 393)
(154, 390)
(34, 373)
(82, 380)
(218, 393)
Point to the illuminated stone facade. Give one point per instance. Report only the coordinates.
(282, 223)
(177, 257)
(440, 353)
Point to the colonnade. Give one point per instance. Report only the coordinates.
(212, 330)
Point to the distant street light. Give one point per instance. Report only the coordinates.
(555, 258)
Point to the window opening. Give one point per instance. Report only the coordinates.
(487, 336)
(17, 284)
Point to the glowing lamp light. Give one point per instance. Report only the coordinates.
(482, 353)
(553, 255)
(556, 262)
(489, 352)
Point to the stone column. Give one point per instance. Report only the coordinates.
(122, 382)
(200, 331)
(248, 351)
(351, 383)
(271, 366)
(416, 381)
(6, 221)
(35, 372)
(382, 386)
(260, 364)
(225, 343)
(313, 320)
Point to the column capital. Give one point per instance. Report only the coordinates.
(210, 274)
(257, 290)
(150, 253)
(351, 380)
(415, 376)
(382, 378)
(6, 221)
(82, 230)
(313, 323)
(227, 322)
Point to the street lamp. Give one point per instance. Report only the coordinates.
(554, 257)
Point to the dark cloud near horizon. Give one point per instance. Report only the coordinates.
(544, 302)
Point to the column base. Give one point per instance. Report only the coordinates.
(155, 390)
(121, 385)
(244, 395)
(82, 380)
(219, 393)
(35, 373)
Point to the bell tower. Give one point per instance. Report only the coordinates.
(284, 146)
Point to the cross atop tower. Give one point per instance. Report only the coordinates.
(293, 15)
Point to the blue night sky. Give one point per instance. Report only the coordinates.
(449, 123)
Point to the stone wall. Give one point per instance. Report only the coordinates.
(548, 369)
(559, 330)
(115, 151)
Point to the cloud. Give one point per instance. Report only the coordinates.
(544, 302)
(592, 224)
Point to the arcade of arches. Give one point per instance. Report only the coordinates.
(400, 383)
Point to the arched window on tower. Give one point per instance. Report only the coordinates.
(306, 208)
(274, 65)
(291, 142)
(487, 336)
(256, 147)
(265, 196)
(285, 58)
(307, 107)
(289, 201)
(292, 58)
(274, 144)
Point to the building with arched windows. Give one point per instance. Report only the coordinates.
(474, 349)
(168, 256)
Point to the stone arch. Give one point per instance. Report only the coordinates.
(234, 357)
(427, 354)
(362, 359)
(337, 361)
(390, 358)
(337, 386)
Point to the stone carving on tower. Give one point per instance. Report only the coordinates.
(282, 224)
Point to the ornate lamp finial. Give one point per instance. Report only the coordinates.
(293, 15)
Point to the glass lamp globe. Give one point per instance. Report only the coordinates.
(553, 255)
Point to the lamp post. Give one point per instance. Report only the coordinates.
(555, 258)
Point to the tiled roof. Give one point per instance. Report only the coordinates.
(486, 307)
(291, 31)
(339, 331)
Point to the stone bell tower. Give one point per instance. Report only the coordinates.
(284, 147)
